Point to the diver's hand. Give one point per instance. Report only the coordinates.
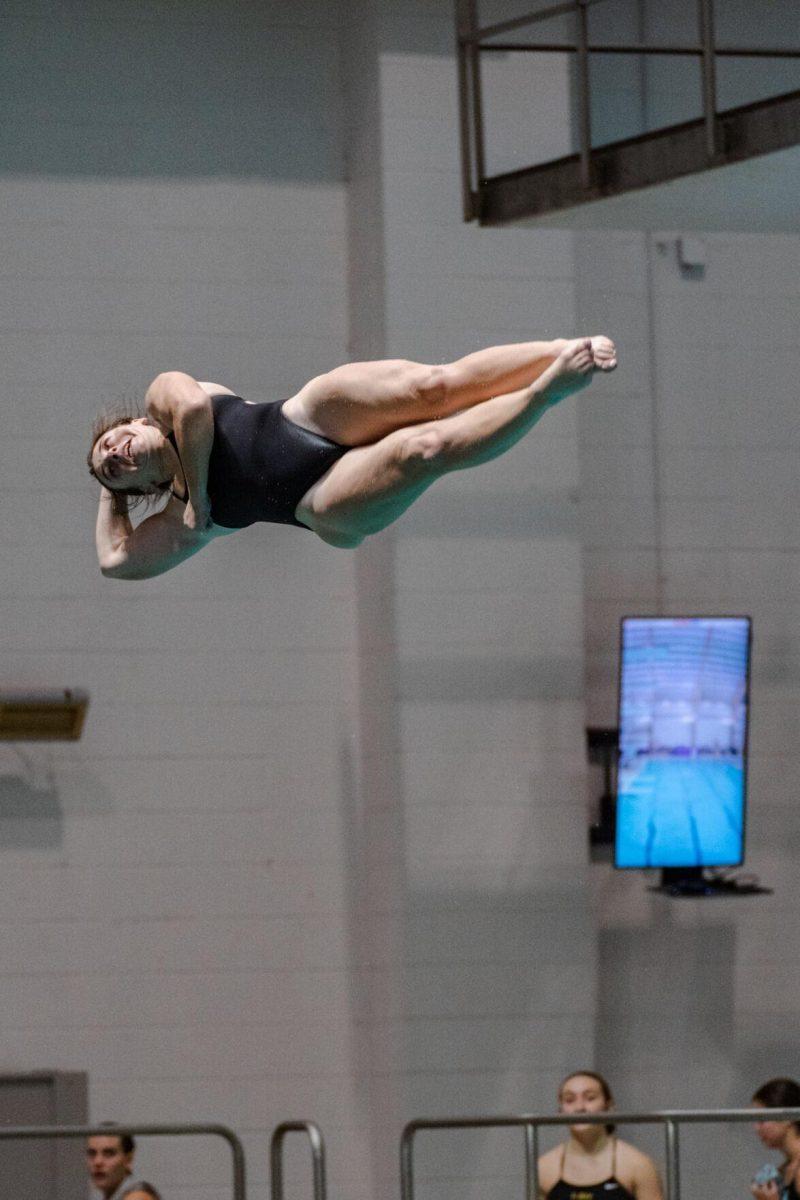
(197, 514)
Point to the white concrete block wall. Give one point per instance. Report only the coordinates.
(499, 983)
(321, 850)
(686, 487)
(488, 997)
(225, 903)
(175, 886)
(716, 426)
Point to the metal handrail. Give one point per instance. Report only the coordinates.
(666, 48)
(25, 1132)
(531, 1122)
(471, 43)
(317, 1143)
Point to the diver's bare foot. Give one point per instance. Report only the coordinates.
(570, 372)
(605, 353)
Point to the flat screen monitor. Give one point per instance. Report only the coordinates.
(683, 715)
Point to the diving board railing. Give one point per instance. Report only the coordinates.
(474, 40)
(26, 1132)
(317, 1144)
(530, 1123)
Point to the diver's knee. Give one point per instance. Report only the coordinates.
(431, 384)
(340, 539)
(320, 517)
(421, 449)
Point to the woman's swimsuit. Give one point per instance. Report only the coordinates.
(609, 1188)
(261, 463)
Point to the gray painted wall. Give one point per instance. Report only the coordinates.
(688, 478)
(688, 493)
(322, 848)
(301, 862)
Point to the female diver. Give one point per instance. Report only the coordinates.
(344, 457)
(593, 1164)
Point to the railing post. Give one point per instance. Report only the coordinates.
(239, 1169)
(317, 1159)
(317, 1142)
(407, 1163)
(584, 101)
(708, 68)
(276, 1166)
(673, 1164)
(532, 1161)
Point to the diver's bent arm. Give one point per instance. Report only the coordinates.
(112, 527)
(160, 542)
(176, 403)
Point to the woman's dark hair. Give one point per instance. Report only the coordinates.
(109, 419)
(602, 1083)
(126, 1140)
(779, 1093)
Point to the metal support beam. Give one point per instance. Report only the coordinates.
(465, 11)
(705, 11)
(653, 158)
(666, 48)
(476, 99)
(584, 97)
(641, 162)
(542, 14)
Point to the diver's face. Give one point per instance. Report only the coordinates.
(123, 456)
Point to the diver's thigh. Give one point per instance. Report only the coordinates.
(371, 486)
(360, 403)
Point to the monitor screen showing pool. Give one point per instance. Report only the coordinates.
(683, 714)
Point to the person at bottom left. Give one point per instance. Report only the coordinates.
(109, 1158)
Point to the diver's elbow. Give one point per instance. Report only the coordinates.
(115, 567)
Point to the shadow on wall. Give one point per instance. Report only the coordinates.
(30, 816)
(188, 91)
(489, 1033)
(685, 982)
(37, 793)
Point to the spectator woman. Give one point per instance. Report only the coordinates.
(593, 1163)
(782, 1183)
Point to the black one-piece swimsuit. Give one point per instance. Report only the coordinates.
(607, 1189)
(261, 463)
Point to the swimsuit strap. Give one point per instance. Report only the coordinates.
(184, 499)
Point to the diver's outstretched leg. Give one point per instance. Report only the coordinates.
(361, 403)
(371, 486)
